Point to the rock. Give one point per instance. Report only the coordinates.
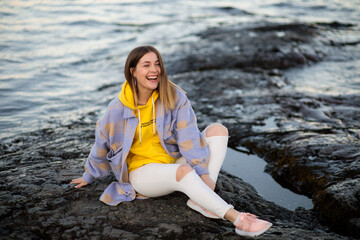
(242, 47)
(114, 233)
(234, 75)
(342, 202)
(316, 139)
(77, 213)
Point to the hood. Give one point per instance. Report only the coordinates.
(126, 96)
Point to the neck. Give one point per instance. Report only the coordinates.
(143, 97)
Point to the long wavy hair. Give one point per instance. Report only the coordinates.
(166, 88)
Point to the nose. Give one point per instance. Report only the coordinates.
(153, 68)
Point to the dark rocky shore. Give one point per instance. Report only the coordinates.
(234, 75)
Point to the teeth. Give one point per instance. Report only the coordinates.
(152, 78)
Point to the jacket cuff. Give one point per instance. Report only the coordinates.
(88, 178)
(201, 170)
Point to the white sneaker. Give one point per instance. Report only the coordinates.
(191, 204)
(249, 225)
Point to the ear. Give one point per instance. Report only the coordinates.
(133, 73)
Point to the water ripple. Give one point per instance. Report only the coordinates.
(55, 54)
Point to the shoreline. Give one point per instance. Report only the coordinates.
(38, 202)
(238, 81)
(313, 146)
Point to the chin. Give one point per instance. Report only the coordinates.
(154, 86)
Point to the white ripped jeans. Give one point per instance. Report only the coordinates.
(155, 179)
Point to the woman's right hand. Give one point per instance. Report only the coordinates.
(208, 181)
(79, 181)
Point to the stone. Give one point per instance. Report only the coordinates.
(234, 75)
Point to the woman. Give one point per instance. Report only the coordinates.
(149, 138)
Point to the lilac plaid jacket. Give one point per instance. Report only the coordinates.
(178, 133)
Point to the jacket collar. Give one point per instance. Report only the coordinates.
(159, 119)
(128, 113)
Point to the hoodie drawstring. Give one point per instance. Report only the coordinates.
(152, 99)
(153, 104)
(139, 126)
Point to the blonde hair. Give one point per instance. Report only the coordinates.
(166, 88)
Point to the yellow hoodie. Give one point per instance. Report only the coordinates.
(146, 147)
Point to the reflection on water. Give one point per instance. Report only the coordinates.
(57, 53)
(250, 168)
(269, 124)
(332, 77)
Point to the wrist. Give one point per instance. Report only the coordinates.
(88, 178)
(205, 178)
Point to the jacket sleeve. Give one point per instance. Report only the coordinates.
(191, 144)
(96, 165)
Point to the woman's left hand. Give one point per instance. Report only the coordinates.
(208, 181)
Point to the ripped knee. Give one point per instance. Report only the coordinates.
(216, 129)
(182, 171)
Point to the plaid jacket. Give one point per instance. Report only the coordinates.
(178, 133)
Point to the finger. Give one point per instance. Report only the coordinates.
(79, 185)
(74, 181)
(211, 184)
(83, 183)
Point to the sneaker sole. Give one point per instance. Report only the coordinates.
(254, 234)
(199, 209)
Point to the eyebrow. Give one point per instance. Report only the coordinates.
(149, 61)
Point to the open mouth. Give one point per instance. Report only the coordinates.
(152, 78)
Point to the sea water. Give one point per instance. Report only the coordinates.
(250, 168)
(54, 55)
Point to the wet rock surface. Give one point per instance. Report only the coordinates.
(38, 203)
(313, 144)
(233, 75)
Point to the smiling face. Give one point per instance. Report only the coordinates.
(147, 73)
